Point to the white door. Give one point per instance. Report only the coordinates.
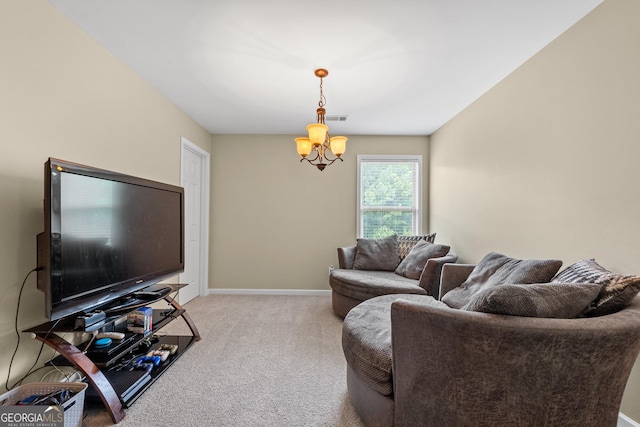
(195, 182)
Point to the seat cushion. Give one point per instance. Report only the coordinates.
(365, 284)
(366, 339)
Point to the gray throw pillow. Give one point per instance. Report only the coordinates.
(496, 269)
(616, 290)
(406, 243)
(557, 300)
(413, 264)
(376, 254)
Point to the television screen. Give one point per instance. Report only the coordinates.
(106, 235)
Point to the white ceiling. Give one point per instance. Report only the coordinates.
(400, 67)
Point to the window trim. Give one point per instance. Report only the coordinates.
(363, 158)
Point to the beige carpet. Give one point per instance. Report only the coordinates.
(262, 361)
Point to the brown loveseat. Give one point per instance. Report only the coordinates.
(412, 360)
(356, 281)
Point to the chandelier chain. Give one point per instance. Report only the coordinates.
(323, 100)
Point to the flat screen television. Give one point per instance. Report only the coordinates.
(106, 235)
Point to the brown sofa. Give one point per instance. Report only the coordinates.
(412, 360)
(350, 286)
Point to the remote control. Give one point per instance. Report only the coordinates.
(112, 335)
(147, 296)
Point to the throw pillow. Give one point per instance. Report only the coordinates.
(617, 290)
(406, 243)
(557, 300)
(376, 254)
(495, 269)
(413, 264)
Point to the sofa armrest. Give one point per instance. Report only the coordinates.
(346, 255)
(453, 275)
(430, 277)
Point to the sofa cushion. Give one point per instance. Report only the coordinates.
(495, 269)
(558, 300)
(617, 290)
(366, 339)
(377, 254)
(413, 264)
(363, 284)
(406, 243)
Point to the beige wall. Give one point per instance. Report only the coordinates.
(276, 222)
(545, 164)
(62, 95)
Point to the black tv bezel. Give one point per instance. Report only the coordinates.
(46, 249)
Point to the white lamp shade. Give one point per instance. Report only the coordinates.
(338, 144)
(317, 133)
(304, 146)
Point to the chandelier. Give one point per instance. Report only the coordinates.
(320, 149)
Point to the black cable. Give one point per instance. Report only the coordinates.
(16, 325)
(35, 362)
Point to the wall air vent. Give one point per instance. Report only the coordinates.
(342, 118)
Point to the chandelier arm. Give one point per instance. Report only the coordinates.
(330, 162)
(335, 157)
(316, 157)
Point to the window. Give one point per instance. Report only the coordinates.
(389, 195)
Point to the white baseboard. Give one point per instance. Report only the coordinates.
(307, 292)
(624, 421)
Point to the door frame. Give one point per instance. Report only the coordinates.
(205, 161)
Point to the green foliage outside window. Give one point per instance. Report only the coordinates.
(380, 224)
(388, 198)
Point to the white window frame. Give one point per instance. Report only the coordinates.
(418, 209)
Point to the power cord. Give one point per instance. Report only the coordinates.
(57, 374)
(17, 331)
(15, 325)
(35, 362)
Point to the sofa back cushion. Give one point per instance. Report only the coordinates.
(413, 264)
(496, 269)
(556, 300)
(616, 290)
(406, 243)
(380, 254)
(376, 254)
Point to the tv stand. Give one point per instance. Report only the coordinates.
(101, 366)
